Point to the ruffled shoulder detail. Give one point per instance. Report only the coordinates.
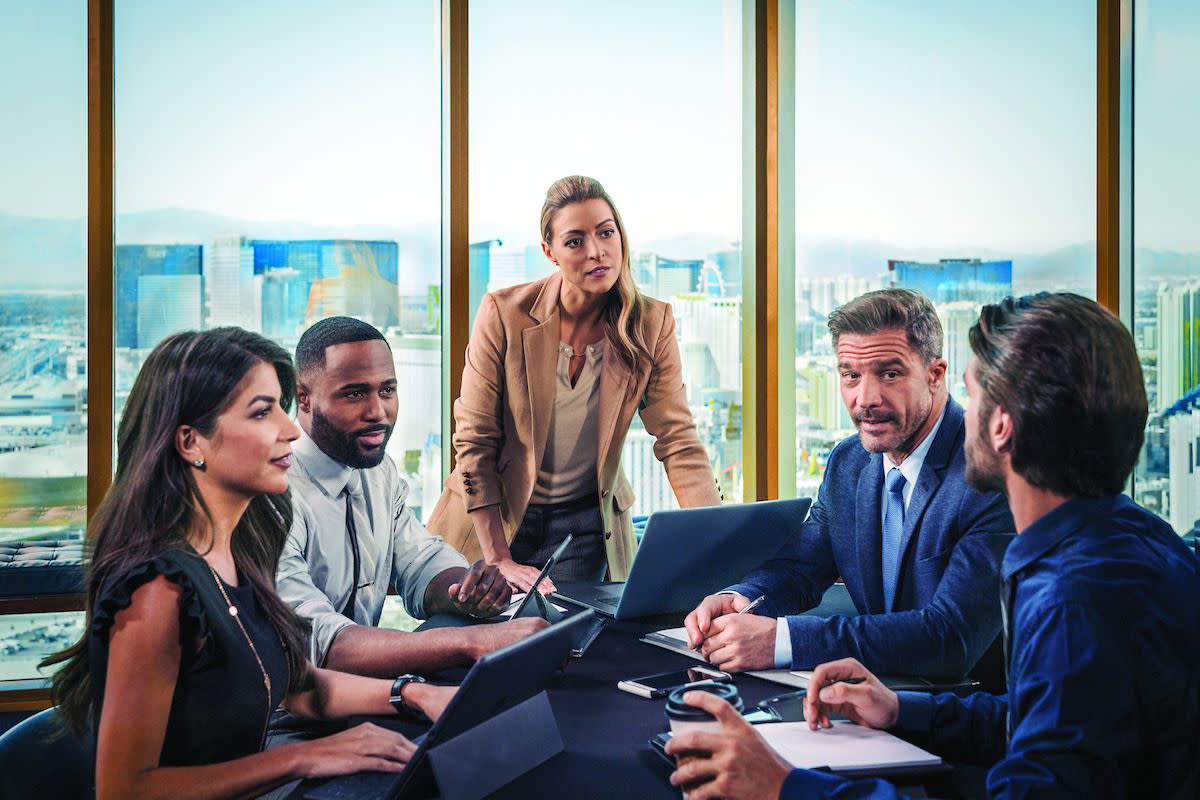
(117, 595)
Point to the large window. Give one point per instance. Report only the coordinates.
(645, 97)
(941, 146)
(276, 164)
(43, 326)
(1166, 323)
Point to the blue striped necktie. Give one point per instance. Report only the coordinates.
(893, 532)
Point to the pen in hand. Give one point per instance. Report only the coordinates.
(753, 604)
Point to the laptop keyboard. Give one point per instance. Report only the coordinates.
(608, 602)
(354, 787)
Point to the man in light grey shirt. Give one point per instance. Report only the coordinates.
(354, 533)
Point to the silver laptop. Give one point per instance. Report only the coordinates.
(688, 553)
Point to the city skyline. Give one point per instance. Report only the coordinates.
(712, 369)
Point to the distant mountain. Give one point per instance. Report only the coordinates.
(42, 253)
(685, 245)
(38, 253)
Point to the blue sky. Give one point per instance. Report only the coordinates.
(943, 123)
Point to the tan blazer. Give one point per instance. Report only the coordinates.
(502, 420)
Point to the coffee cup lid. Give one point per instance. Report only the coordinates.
(677, 709)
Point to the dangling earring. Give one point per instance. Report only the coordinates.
(199, 462)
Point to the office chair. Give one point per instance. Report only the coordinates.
(38, 759)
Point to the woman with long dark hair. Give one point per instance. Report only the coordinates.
(555, 371)
(187, 648)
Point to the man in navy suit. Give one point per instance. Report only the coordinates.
(918, 549)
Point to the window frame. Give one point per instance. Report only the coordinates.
(768, 371)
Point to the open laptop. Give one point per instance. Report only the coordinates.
(688, 553)
(497, 682)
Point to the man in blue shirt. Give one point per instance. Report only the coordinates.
(1102, 623)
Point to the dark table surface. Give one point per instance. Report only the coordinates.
(606, 731)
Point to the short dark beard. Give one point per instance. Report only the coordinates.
(984, 472)
(343, 446)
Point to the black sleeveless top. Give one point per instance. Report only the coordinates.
(220, 707)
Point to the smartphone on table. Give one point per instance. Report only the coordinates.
(654, 686)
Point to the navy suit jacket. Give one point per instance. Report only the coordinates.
(946, 610)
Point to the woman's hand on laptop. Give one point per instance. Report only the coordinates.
(361, 748)
(699, 622)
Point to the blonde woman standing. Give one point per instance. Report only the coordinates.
(555, 371)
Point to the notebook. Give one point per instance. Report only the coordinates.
(675, 639)
(846, 748)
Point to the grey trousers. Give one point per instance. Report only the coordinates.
(543, 530)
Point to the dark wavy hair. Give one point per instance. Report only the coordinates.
(1067, 372)
(153, 503)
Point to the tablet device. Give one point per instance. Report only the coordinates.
(550, 562)
(497, 682)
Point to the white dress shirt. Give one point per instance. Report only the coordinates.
(315, 570)
(911, 470)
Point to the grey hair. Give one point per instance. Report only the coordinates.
(891, 309)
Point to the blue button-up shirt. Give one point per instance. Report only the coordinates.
(1104, 668)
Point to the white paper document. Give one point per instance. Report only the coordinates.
(673, 639)
(844, 748)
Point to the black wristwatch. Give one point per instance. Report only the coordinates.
(398, 686)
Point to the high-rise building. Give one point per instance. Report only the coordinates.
(699, 369)
(1183, 430)
(676, 278)
(134, 261)
(820, 296)
(646, 472)
(508, 267)
(284, 304)
(952, 280)
(826, 411)
(418, 313)
(327, 258)
(480, 271)
(716, 322)
(418, 361)
(167, 304)
(645, 271)
(351, 277)
(229, 283)
(957, 318)
(1178, 341)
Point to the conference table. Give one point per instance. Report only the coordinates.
(605, 731)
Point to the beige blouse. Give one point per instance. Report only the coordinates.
(568, 468)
